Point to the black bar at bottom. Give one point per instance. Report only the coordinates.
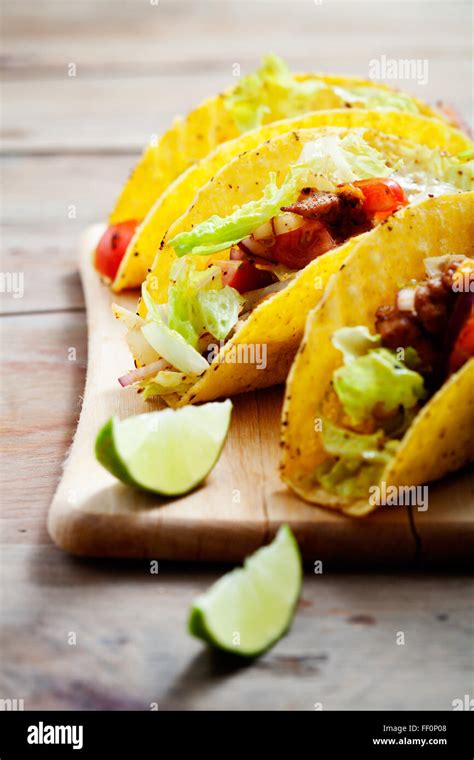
(148, 734)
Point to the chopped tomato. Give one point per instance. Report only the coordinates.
(295, 249)
(112, 246)
(464, 345)
(247, 277)
(382, 197)
(228, 270)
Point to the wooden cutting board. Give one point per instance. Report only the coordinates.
(243, 501)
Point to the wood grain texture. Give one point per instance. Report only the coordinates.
(187, 50)
(47, 201)
(43, 360)
(243, 502)
(132, 648)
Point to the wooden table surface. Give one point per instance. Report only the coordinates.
(111, 635)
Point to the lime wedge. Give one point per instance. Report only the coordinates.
(247, 610)
(167, 452)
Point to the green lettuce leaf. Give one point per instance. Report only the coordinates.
(425, 172)
(165, 383)
(167, 342)
(371, 377)
(377, 99)
(198, 303)
(156, 312)
(375, 379)
(357, 461)
(218, 233)
(330, 160)
(354, 342)
(334, 160)
(271, 89)
(466, 155)
(272, 92)
(170, 345)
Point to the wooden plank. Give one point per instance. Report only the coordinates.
(158, 62)
(176, 34)
(343, 638)
(41, 230)
(129, 112)
(132, 648)
(243, 502)
(43, 361)
(93, 514)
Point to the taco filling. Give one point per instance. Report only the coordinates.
(269, 94)
(340, 187)
(420, 340)
(273, 92)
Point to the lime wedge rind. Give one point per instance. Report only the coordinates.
(249, 609)
(104, 452)
(169, 452)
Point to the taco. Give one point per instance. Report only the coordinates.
(178, 196)
(270, 94)
(381, 393)
(240, 271)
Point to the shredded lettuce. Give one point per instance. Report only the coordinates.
(340, 442)
(357, 461)
(218, 233)
(424, 172)
(170, 345)
(198, 303)
(377, 99)
(272, 92)
(165, 383)
(370, 378)
(377, 380)
(155, 311)
(335, 160)
(330, 160)
(466, 155)
(353, 342)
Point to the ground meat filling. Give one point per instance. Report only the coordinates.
(341, 211)
(426, 327)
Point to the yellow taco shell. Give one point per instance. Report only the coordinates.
(440, 439)
(165, 196)
(191, 138)
(278, 322)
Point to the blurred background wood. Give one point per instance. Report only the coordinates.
(67, 144)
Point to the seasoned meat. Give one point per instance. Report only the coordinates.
(399, 329)
(317, 205)
(342, 210)
(396, 328)
(434, 300)
(428, 327)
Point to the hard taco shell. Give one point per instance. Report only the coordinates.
(440, 440)
(163, 195)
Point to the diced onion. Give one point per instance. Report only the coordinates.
(406, 299)
(287, 222)
(264, 231)
(140, 374)
(129, 318)
(261, 242)
(140, 349)
(256, 247)
(436, 264)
